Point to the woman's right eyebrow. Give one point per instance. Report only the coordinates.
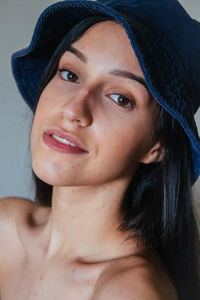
(78, 53)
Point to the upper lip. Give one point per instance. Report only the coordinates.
(68, 136)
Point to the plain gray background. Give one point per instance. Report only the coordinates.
(17, 20)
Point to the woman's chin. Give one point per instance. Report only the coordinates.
(57, 177)
(49, 175)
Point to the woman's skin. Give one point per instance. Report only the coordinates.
(74, 250)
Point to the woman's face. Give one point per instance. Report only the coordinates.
(95, 98)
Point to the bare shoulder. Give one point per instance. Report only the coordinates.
(137, 279)
(11, 208)
(15, 214)
(14, 202)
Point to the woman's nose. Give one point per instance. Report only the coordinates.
(78, 109)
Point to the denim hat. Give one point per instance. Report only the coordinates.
(167, 45)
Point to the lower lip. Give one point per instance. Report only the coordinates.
(56, 145)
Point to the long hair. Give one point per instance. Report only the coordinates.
(157, 205)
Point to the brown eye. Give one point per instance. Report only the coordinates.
(68, 75)
(122, 100)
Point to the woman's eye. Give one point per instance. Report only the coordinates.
(68, 75)
(122, 100)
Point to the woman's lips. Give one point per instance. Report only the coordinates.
(57, 145)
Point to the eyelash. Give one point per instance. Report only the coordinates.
(109, 96)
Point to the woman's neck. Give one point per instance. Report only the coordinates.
(83, 223)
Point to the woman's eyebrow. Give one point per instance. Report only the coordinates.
(78, 53)
(131, 76)
(116, 72)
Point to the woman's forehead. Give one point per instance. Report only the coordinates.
(108, 42)
(103, 33)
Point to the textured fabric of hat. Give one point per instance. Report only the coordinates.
(166, 43)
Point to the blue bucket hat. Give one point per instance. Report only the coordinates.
(167, 46)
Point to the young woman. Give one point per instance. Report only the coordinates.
(115, 152)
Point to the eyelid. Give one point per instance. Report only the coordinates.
(69, 65)
(60, 70)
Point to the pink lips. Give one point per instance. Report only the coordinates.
(51, 142)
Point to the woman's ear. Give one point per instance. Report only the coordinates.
(155, 154)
